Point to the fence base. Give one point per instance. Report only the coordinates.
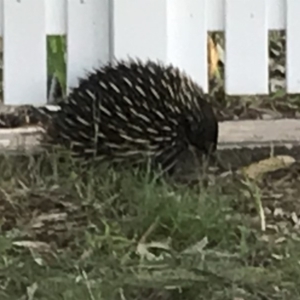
(233, 135)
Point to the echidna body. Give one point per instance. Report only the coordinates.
(132, 111)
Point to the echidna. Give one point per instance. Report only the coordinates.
(131, 111)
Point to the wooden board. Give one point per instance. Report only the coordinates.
(233, 134)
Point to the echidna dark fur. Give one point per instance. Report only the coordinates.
(131, 111)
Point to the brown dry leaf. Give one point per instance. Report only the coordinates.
(256, 170)
(213, 57)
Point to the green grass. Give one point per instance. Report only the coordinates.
(104, 234)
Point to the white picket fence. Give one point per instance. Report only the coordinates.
(169, 30)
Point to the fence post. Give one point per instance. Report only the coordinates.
(24, 50)
(293, 47)
(246, 41)
(88, 37)
(139, 29)
(187, 38)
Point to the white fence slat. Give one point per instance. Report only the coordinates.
(246, 43)
(187, 38)
(1, 17)
(215, 15)
(276, 14)
(88, 37)
(293, 46)
(140, 29)
(25, 64)
(56, 21)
